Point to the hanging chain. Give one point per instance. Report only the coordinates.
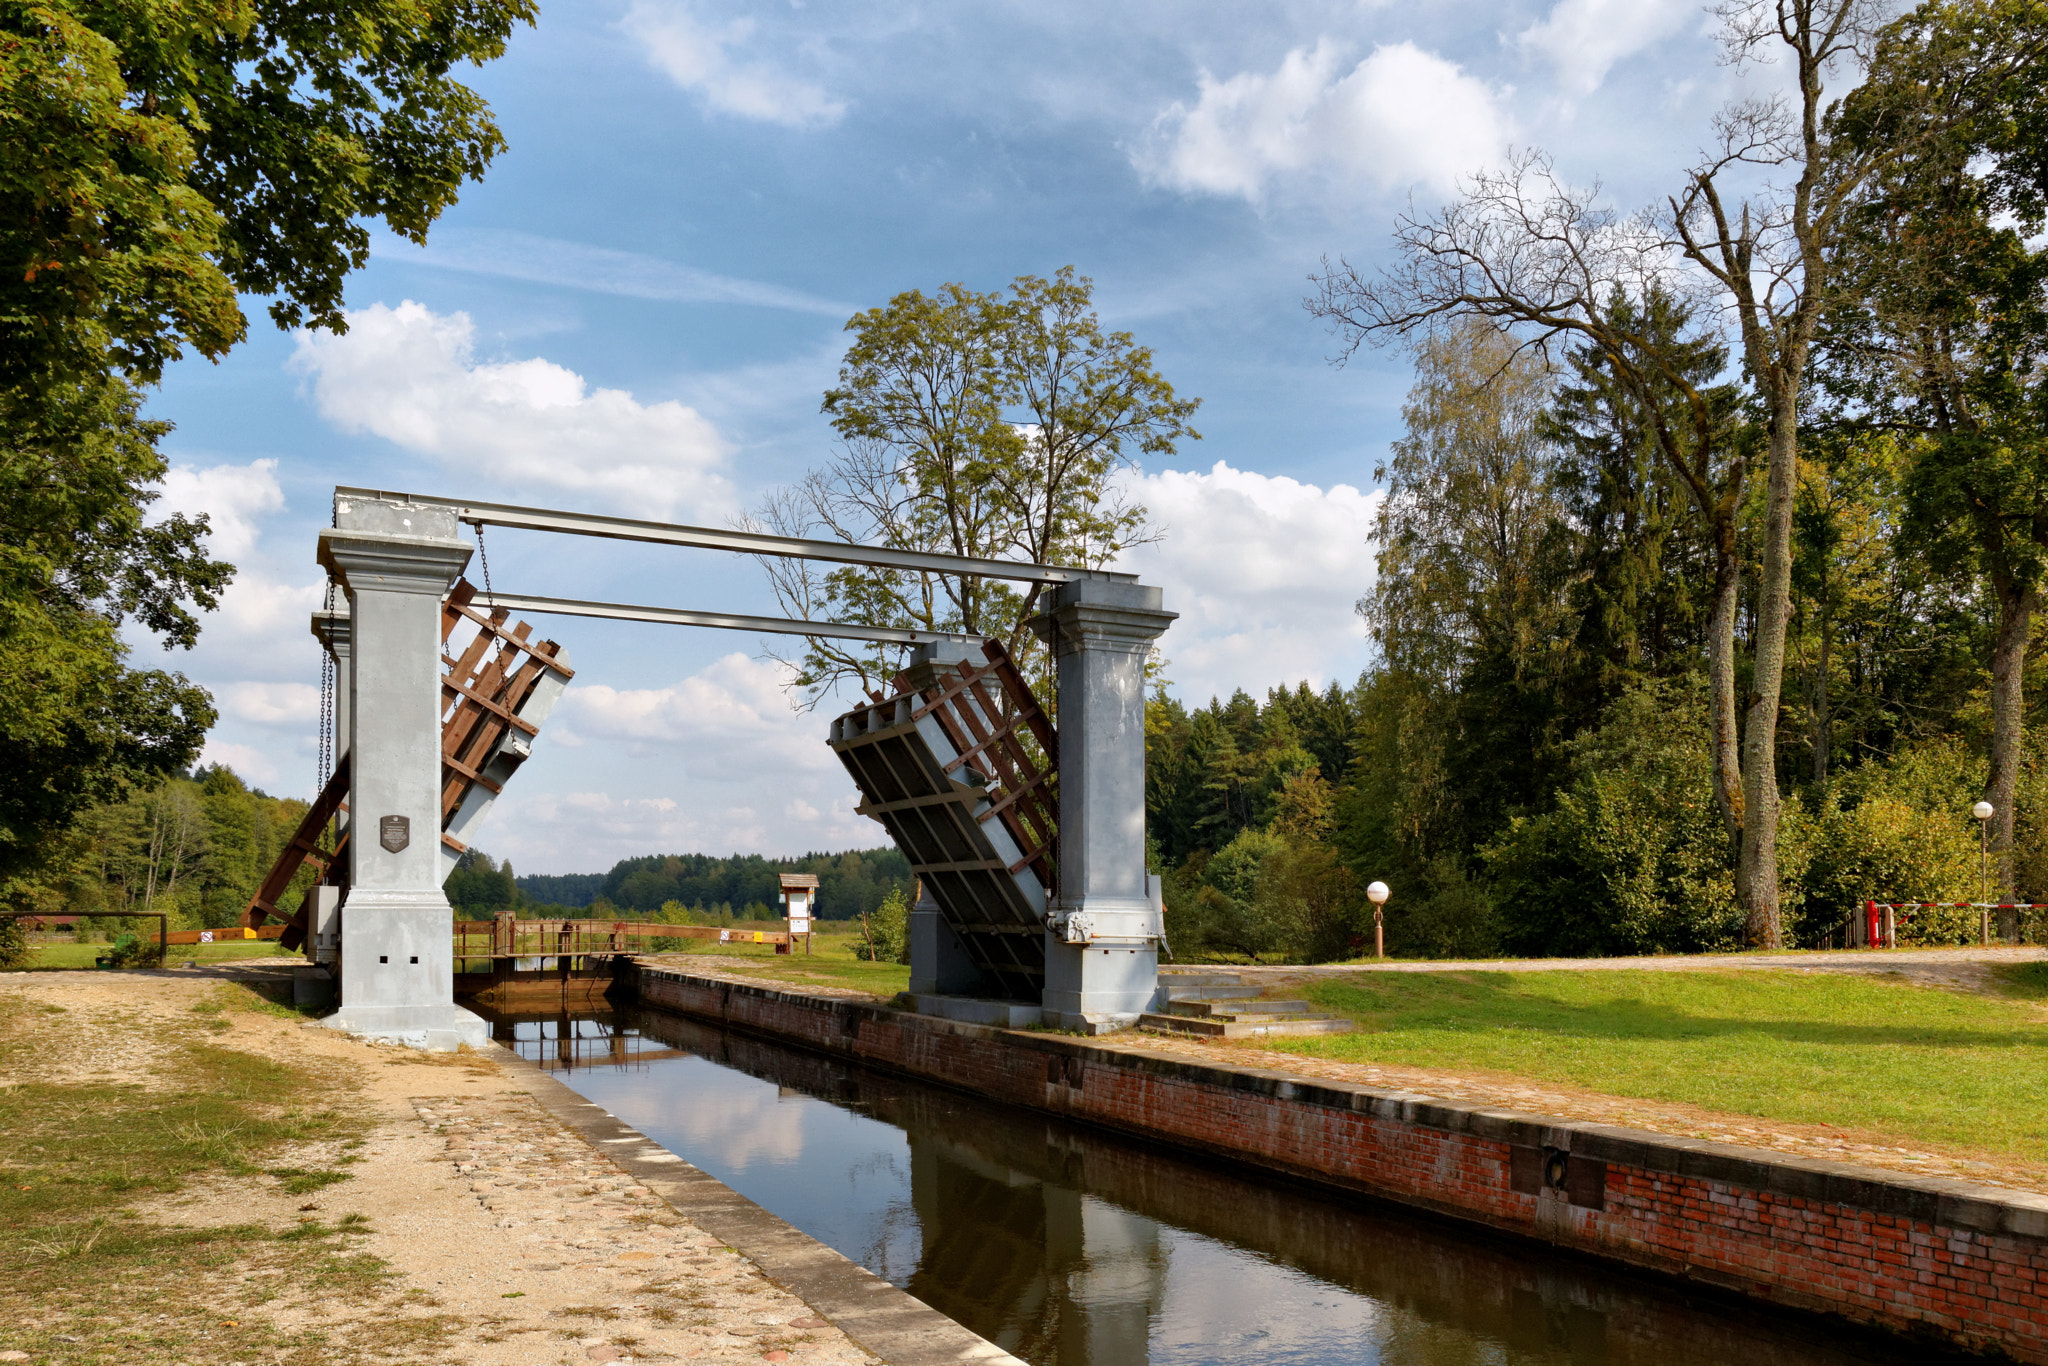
(484, 556)
(327, 690)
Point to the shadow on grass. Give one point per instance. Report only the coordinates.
(1492, 1002)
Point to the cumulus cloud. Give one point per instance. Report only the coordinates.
(735, 707)
(253, 763)
(707, 58)
(233, 497)
(1263, 571)
(411, 376)
(1400, 116)
(1583, 39)
(720, 762)
(271, 704)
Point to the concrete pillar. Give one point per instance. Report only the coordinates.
(1102, 943)
(939, 964)
(397, 560)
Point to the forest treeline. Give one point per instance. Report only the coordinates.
(1528, 762)
(685, 888)
(196, 847)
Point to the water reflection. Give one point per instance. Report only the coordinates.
(1072, 1248)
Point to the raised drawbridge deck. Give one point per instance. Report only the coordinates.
(959, 766)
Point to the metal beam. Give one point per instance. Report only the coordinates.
(726, 621)
(742, 542)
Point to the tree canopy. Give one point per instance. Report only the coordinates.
(159, 161)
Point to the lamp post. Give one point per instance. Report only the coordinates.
(1983, 811)
(1377, 894)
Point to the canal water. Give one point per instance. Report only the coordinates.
(1069, 1247)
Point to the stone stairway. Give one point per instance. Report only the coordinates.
(1221, 1005)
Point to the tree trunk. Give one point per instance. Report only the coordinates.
(2008, 667)
(1823, 715)
(1756, 866)
(1721, 678)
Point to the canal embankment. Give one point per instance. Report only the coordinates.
(1957, 1261)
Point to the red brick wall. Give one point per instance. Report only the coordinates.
(1966, 1264)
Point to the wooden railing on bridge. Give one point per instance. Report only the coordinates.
(508, 937)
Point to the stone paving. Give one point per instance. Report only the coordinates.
(649, 1284)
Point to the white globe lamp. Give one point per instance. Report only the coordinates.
(1377, 894)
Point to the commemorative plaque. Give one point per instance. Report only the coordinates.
(394, 832)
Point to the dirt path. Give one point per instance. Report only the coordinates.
(504, 1238)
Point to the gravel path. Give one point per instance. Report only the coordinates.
(509, 1239)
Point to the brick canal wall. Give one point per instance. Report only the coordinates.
(1960, 1262)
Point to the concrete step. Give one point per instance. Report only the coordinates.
(1210, 1028)
(1175, 991)
(1202, 979)
(1200, 1007)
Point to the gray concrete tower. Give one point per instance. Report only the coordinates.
(396, 560)
(1102, 947)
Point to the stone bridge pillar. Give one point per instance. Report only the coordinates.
(397, 560)
(1102, 946)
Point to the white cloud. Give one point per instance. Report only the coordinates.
(1263, 571)
(1398, 117)
(733, 767)
(252, 763)
(294, 705)
(736, 706)
(702, 56)
(233, 497)
(1583, 39)
(410, 375)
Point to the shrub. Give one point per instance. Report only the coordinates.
(887, 937)
(132, 951)
(1894, 831)
(15, 948)
(1634, 856)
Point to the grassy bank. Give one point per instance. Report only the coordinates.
(65, 956)
(83, 1276)
(1934, 1067)
(832, 961)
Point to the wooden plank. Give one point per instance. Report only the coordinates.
(466, 771)
(503, 713)
(516, 638)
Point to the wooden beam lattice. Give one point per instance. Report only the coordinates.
(987, 712)
(488, 680)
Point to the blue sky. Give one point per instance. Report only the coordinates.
(640, 307)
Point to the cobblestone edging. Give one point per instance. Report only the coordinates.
(759, 1285)
(1955, 1260)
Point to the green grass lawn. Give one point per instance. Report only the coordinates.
(831, 961)
(1931, 1066)
(67, 955)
